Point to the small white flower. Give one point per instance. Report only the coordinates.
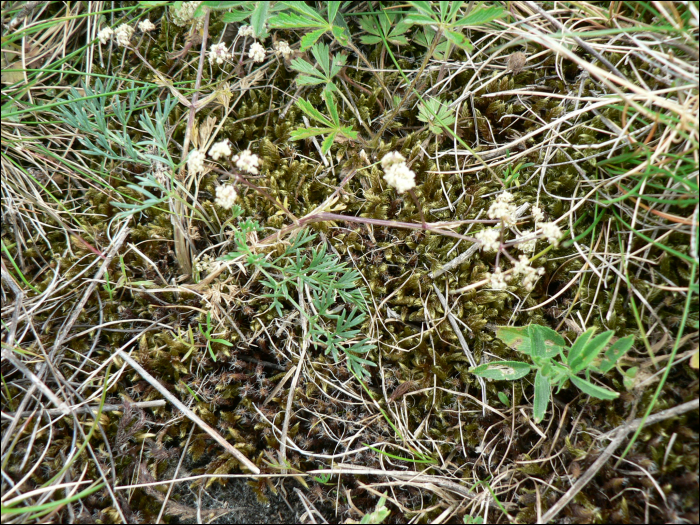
(282, 48)
(490, 239)
(498, 280)
(123, 34)
(552, 232)
(220, 149)
(529, 245)
(399, 176)
(195, 161)
(257, 52)
(503, 209)
(247, 161)
(219, 53)
(246, 31)
(105, 34)
(225, 196)
(537, 214)
(146, 25)
(393, 157)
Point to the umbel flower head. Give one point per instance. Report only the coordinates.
(257, 52)
(225, 196)
(503, 209)
(551, 231)
(146, 25)
(105, 35)
(247, 161)
(396, 173)
(219, 53)
(123, 34)
(282, 48)
(195, 162)
(490, 239)
(220, 149)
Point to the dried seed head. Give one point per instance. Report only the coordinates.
(516, 62)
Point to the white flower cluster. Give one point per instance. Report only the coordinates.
(195, 162)
(146, 26)
(123, 34)
(530, 274)
(225, 196)
(396, 173)
(105, 35)
(257, 52)
(246, 31)
(552, 232)
(220, 149)
(489, 238)
(204, 263)
(184, 13)
(219, 53)
(503, 209)
(282, 48)
(498, 280)
(529, 245)
(247, 161)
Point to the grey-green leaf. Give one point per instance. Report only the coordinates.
(502, 370)
(593, 390)
(543, 392)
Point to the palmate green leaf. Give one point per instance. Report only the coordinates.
(543, 391)
(419, 19)
(502, 370)
(307, 133)
(309, 12)
(458, 39)
(593, 390)
(302, 66)
(328, 142)
(425, 8)
(313, 113)
(436, 115)
(235, 16)
(479, 17)
(382, 25)
(333, 10)
(332, 108)
(295, 21)
(310, 39)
